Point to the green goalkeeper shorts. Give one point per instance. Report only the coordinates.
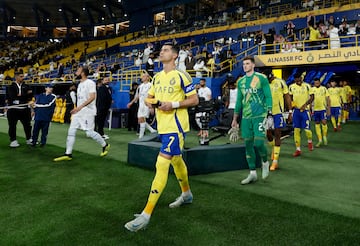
(252, 127)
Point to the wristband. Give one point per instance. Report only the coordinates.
(175, 104)
(290, 111)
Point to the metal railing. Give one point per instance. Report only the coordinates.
(305, 45)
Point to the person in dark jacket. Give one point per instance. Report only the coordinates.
(70, 97)
(103, 104)
(44, 107)
(132, 116)
(18, 96)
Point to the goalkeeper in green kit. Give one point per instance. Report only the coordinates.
(255, 102)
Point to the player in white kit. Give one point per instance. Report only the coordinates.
(143, 111)
(83, 116)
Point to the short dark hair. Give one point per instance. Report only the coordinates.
(251, 58)
(297, 75)
(19, 72)
(174, 48)
(85, 70)
(316, 79)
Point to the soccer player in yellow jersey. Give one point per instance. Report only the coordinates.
(173, 92)
(302, 96)
(346, 97)
(335, 105)
(279, 93)
(321, 111)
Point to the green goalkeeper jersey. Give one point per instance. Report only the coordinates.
(254, 96)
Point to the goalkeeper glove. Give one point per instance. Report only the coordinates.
(234, 134)
(268, 122)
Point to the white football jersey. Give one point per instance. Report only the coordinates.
(84, 89)
(143, 92)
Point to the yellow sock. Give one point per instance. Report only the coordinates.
(158, 184)
(272, 143)
(318, 132)
(181, 173)
(347, 115)
(333, 121)
(324, 128)
(339, 120)
(308, 135)
(344, 115)
(276, 153)
(297, 137)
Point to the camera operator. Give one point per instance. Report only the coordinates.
(229, 99)
(203, 92)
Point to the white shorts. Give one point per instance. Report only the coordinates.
(83, 122)
(143, 111)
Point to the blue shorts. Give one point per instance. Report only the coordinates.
(335, 111)
(320, 115)
(172, 143)
(301, 119)
(279, 121)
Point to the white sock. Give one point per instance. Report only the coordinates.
(96, 136)
(298, 148)
(253, 172)
(147, 216)
(70, 140)
(186, 193)
(142, 130)
(149, 127)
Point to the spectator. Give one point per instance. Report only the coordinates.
(269, 39)
(189, 61)
(334, 37)
(290, 28)
(181, 59)
(343, 28)
(351, 29)
(330, 21)
(60, 70)
(357, 26)
(199, 67)
(150, 65)
(314, 34)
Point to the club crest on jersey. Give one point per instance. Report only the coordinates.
(172, 81)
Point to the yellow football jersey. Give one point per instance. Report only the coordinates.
(173, 86)
(278, 89)
(335, 99)
(320, 95)
(301, 94)
(347, 93)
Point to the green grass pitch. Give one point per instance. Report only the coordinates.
(312, 200)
